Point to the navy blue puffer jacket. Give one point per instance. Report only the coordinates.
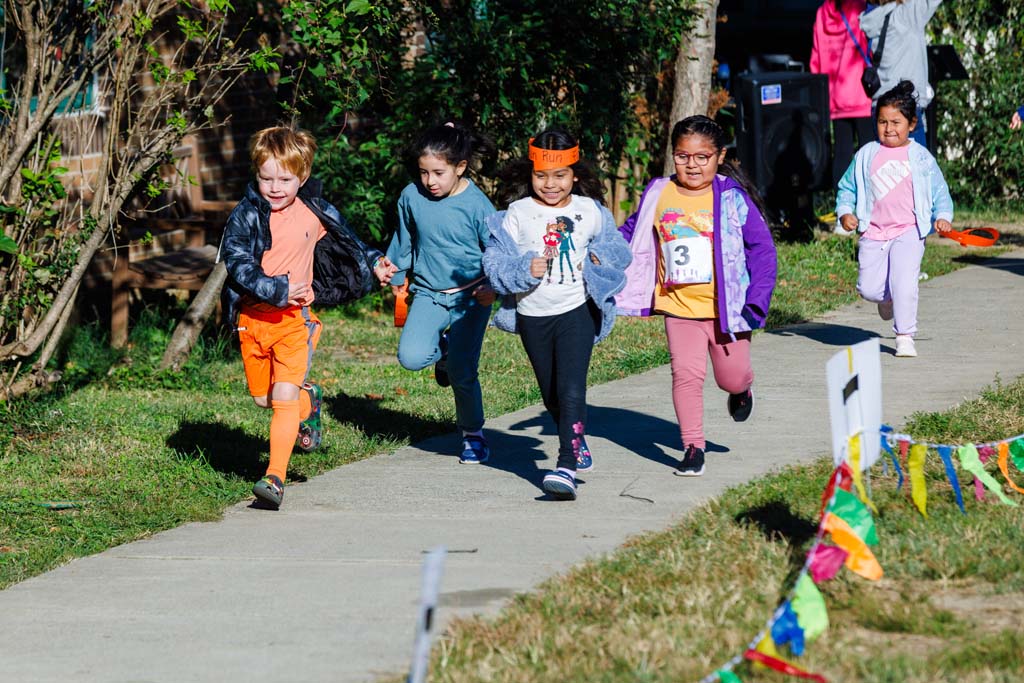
(342, 264)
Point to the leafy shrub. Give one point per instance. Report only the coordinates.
(981, 157)
(599, 67)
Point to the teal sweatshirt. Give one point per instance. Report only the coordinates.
(440, 240)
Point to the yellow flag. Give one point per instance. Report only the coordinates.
(918, 491)
(854, 450)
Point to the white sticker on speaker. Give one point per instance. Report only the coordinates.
(771, 94)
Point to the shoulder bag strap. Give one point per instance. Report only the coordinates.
(849, 29)
(881, 39)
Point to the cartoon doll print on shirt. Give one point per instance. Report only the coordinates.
(565, 228)
(686, 245)
(552, 238)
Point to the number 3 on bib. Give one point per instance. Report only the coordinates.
(687, 261)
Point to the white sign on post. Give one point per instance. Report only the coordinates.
(855, 400)
(433, 568)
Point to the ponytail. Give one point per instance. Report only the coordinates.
(451, 141)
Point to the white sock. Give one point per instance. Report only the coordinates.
(571, 473)
(478, 432)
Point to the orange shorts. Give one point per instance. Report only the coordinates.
(277, 346)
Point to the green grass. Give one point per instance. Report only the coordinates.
(134, 451)
(674, 605)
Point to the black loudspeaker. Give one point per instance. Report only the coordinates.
(782, 137)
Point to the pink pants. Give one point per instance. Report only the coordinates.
(689, 344)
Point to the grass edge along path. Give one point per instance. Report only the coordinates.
(675, 605)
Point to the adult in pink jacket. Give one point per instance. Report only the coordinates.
(837, 55)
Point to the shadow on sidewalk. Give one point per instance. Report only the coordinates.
(647, 436)
(826, 333)
(1010, 265)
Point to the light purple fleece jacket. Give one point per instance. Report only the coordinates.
(744, 256)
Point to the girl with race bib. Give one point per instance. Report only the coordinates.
(703, 258)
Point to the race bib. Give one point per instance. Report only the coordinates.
(687, 260)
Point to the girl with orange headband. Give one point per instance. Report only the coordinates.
(558, 260)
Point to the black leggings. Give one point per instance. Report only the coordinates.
(559, 348)
(843, 132)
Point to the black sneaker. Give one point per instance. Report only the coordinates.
(692, 464)
(441, 366)
(741, 405)
(269, 490)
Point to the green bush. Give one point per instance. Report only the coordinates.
(599, 67)
(982, 158)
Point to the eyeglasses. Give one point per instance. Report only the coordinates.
(699, 159)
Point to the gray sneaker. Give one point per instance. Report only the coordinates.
(269, 490)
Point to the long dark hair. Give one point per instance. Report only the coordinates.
(708, 129)
(451, 141)
(902, 97)
(515, 177)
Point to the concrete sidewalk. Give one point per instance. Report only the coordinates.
(326, 589)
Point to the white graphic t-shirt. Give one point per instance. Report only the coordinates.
(563, 236)
(892, 188)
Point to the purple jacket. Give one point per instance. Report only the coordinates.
(744, 256)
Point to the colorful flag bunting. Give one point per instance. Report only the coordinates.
(842, 477)
(809, 606)
(786, 629)
(945, 452)
(854, 513)
(853, 449)
(777, 663)
(860, 559)
(886, 430)
(826, 561)
(918, 490)
(1004, 456)
(1017, 451)
(904, 446)
(847, 518)
(970, 460)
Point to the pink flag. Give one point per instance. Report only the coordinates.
(826, 561)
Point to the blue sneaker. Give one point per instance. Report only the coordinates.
(559, 484)
(475, 450)
(584, 460)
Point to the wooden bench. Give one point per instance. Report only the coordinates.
(171, 249)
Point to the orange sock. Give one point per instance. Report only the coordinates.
(305, 405)
(284, 427)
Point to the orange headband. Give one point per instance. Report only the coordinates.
(547, 159)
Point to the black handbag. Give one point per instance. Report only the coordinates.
(869, 80)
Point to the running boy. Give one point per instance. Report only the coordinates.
(284, 247)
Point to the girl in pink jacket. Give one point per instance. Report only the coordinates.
(841, 52)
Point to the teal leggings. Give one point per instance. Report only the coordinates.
(430, 314)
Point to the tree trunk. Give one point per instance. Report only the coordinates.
(693, 71)
(187, 331)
